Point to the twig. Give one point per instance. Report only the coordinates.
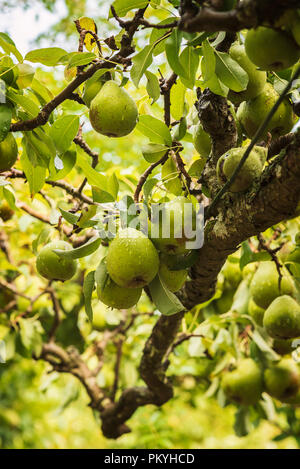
(56, 309)
(119, 346)
(145, 175)
(264, 245)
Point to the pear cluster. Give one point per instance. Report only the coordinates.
(134, 259)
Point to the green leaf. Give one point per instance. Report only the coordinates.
(157, 35)
(177, 100)
(87, 214)
(82, 251)
(35, 176)
(190, 62)
(101, 275)
(153, 88)
(94, 178)
(242, 426)
(69, 217)
(141, 62)
(68, 160)
(122, 7)
(165, 301)
(172, 52)
(25, 76)
(9, 197)
(101, 196)
(153, 152)
(31, 335)
(9, 47)
(81, 58)
(5, 120)
(63, 131)
(230, 72)
(154, 129)
(25, 102)
(263, 346)
(88, 287)
(48, 56)
(208, 63)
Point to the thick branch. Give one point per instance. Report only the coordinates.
(242, 216)
(248, 14)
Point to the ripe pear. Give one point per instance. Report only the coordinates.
(53, 267)
(252, 113)
(113, 112)
(257, 78)
(172, 279)
(174, 228)
(244, 384)
(132, 260)
(8, 153)
(264, 284)
(256, 312)
(6, 213)
(202, 141)
(271, 49)
(118, 297)
(282, 380)
(251, 169)
(282, 318)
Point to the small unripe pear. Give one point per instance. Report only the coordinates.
(172, 279)
(244, 384)
(271, 49)
(252, 113)
(132, 260)
(113, 112)
(232, 273)
(282, 318)
(251, 169)
(53, 267)
(264, 287)
(118, 297)
(257, 78)
(8, 153)
(256, 312)
(282, 379)
(175, 228)
(202, 141)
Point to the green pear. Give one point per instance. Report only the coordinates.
(202, 141)
(282, 318)
(251, 169)
(264, 286)
(244, 384)
(232, 273)
(53, 267)
(132, 260)
(172, 279)
(223, 304)
(256, 312)
(282, 380)
(113, 112)
(173, 230)
(252, 114)
(257, 78)
(271, 49)
(8, 153)
(118, 297)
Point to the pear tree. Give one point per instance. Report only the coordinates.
(179, 115)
